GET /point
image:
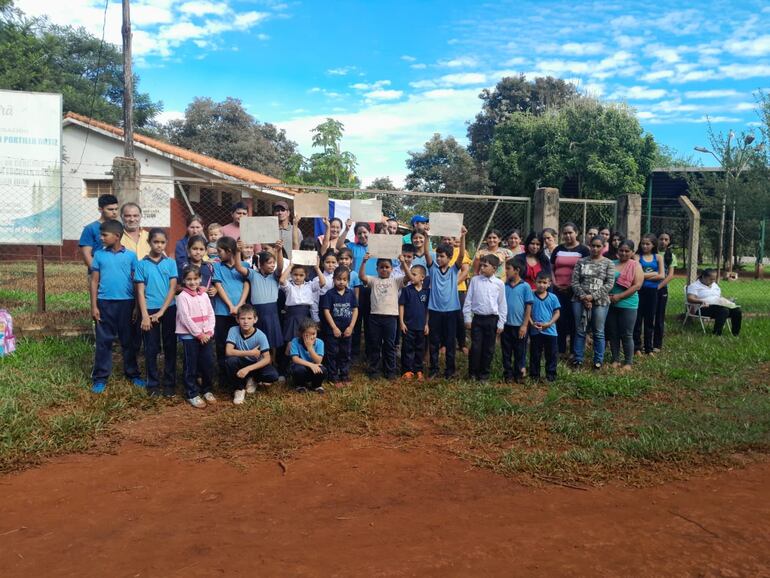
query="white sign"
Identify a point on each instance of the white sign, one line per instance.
(445, 224)
(259, 230)
(155, 200)
(384, 246)
(304, 258)
(366, 210)
(311, 205)
(30, 168)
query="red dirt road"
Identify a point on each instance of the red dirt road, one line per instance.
(361, 508)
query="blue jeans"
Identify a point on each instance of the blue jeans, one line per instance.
(598, 318)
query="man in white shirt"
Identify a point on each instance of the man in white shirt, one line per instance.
(705, 292)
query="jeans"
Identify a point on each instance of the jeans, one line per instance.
(161, 333)
(620, 329)
(115, 324)
(539, 343)
(648, 303)
(266, 374)
(303, 376)
(511, 345)
(660, 318)
(596, 323)
(198, 360)
(483, 334)
(443, 331)
(412, 350)
(337, 357)
(720, 315)
(380, 344)
(565, 324)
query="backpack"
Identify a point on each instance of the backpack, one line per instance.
(7, 339)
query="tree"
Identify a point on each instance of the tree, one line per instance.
(443, 166)
(225, 130)
(38, 56)
(392, 205)
(332, 166)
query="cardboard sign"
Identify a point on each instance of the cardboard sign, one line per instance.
(259, 230)
(445, 224)
(311, 205)
(384, 246)
(366, 210)
(304, 258)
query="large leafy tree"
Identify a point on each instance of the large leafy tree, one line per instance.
(331, 166)
(225, 130)
(443, 166)
(38, 56)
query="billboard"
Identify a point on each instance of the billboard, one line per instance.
(30, 168)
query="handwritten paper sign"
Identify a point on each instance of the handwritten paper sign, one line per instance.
(384, 246)
(311, 205)
(366, 210)
(304, 258)
(259, 230)
(445, 224)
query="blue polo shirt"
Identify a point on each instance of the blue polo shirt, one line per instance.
(242, 343)
(415, 306)
(517, 297)
(443, 289)
(232, 282)
(91, 236)
(358, 256)
(355, 280)
(298, 348)
(264, 289)
(116, 274)
(542, 311)
(156, 278)
(340, 307)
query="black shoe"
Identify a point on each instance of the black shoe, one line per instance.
(169, 393)
(551, 378)
(153, 391)
(597, 366)
(300, 389)
(320, 390)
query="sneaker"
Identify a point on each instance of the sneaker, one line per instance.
(408, 375)
(139, 382)
(597, 366)
(281, 379)
(98, 386)
(197, 402)
(300, 389)
(420, 376)
(239, 397)
(209, 397)
(251, 387)
(656, 349)
(320, 390)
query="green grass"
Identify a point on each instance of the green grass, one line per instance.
(753, 295)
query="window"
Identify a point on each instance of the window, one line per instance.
(95, 188)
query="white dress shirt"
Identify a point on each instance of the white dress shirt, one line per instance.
(486, 296)
(702, 292)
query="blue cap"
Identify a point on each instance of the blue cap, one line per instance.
(419, 219)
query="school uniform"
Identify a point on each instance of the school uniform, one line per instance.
(648, 305)
(443, 304)
(517, 298)
(547, 340)
(415, 304)
(232, 283)
(383, 324)
(364, 295)
(241, 342)
(115, 300)
(195, 318)
(318, 292)
(156, 278)
(341, 308)
(303, 376)
(486, 310)
(264, 298)
(299, 300)
(91, 236)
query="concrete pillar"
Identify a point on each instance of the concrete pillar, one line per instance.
(546, 214)
(126, 174)
(693, 238)
(629, 214)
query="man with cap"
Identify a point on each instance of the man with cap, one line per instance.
(285, 228)
(419, 224)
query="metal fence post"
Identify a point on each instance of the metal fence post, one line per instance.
(759, 273)
(40, 280)
(489, 220)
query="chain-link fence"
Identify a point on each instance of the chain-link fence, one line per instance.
(587, 214)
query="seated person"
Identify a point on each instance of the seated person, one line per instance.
(706, 292)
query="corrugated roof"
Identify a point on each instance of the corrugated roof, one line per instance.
(181, 153)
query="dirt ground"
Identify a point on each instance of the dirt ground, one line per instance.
(364, 507)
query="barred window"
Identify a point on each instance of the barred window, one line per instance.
(95, 188)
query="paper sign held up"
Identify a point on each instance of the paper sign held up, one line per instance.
(445, 224)
(384, 246)
(304, 258)
(366, 210)
(311, 205)
(259, 230)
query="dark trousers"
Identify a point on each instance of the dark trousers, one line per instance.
(337, 356)
(483, 334)
(461, 338)
(160, 334)
(539, 343)
(648, 303)
(222, 327)
(620, 329)
(115, 324)
(720, 315)
(362, 323)
(198, 360)
(266, 374)
(660, 318)
(511, 345)
(303, 376)
(565, 324)
(443, 331)
(413, 350)
(380, 345)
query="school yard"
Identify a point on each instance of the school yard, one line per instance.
(663, 471)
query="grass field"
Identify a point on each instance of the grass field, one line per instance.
(702, 401)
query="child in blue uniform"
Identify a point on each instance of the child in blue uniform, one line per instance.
(413, 321)
(339, 310)
(513, 341)
(248, 356)
(543, 336)
(307, 352)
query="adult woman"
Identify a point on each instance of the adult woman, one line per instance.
(590, 234)
(612, 249)
(624, 302)
(605, 233)
(513, 242)
(563, 260)
(652, 265)
(533, 259)
(707, 293)
(329, 239)
(493, 239)
(669, 264)
(549, 241)
(592, 280)
(194, 228)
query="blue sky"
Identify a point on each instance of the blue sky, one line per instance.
(396, 72)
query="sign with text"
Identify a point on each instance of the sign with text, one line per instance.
(259, 230)
(384, 246)
(309, 258)
(445, 224)
(30, 168)
(311, 205)
(366, 210)
(155, 200)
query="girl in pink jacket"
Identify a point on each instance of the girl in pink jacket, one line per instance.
(195, 328)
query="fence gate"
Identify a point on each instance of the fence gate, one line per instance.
(587, 213)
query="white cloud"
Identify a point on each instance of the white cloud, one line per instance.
(407, 58)
(667, 55)
(459, 62)
(458, 79)
(341, 71)
(741, 106)
(419, 66)
(626, 21)
(657, 75)
(384, 94)
(516, 61)
(639, 93)
(742, 71)
(716, 93)
(168, 115)
(573, 48)
(373, 86)
(203, 7)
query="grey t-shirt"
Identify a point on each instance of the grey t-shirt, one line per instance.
(286, 237)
